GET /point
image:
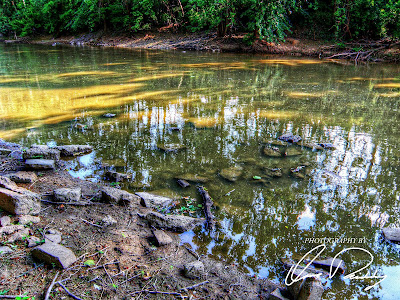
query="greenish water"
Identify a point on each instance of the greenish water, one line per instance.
(226, 107)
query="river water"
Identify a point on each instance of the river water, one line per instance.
(225, 108)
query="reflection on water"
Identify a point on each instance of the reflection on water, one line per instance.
(225, 109)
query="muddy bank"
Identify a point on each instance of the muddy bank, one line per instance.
(382, 51)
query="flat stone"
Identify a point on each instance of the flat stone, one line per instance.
(27, 219)
(310, 145)
(108, 221)
(328, 146)
(277, 295)
(194, 270)
(162, 237)
(41, 153)
(52, 238)
(290, 138)
(392, 234)
(154, 201)
(10, 229)
(74, 150)
(231, 174)
(114, 195)
(298, 172)
(68, 194)
(273, 172)
(40, 164)
(23, 177)
(117, 177)
(183, 183)
(175, 223)
(5, 250)
(291, 151)
(56, 254)
(20, 201)
(20, 235)
(272, 152)
(193, 178)
(5, 221)
(33, 241)
(171, 147)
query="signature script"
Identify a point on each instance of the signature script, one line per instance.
(291, 278)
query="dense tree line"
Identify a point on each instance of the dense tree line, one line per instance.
(264, 19)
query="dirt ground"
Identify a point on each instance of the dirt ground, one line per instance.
(383, 50)
(125, 261)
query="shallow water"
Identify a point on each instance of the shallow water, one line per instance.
(227, 107)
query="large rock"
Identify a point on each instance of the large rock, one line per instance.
(23, 177)
(194, 269)
(272, 152)
(231, 174)
(392, 234)
(114, 195)
(41, 152)
(193, 178)
(68, 194)
(154, 201)
(18, 200)
(74, 150)
(56, 254)
(172, 222)
(40, 164)
(290, 138)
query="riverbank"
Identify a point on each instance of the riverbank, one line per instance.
(377, 51)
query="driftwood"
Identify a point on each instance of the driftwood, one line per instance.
(207, 207)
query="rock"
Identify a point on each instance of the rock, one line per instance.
(56, 254)
(328, 146)
(309, 145)
(392, 234)
(5, 221)
(52, 238)
(297, 173)
(74, 150)
(26, 219)
(109, 115)
(194, 270)
(68, 194)
(277, 295)
(154, 201)
(171, 147)
(175, 223)
(40, 164)
(23, 177)
(183, 183)
(4, 151)
(41, 153)
(34, 241)
(193, 178)
(273, 172)
(19, 201)
(289, 137)
(113, 195)
(232, 173)
(20, 235)
(6, 183)
(117, 177)
(162, 238)
(327, 263)
(272, 152)
(276, 143)
(311, 290)
(108, 221)
(5, 250)
(249, 161)
(291, 151)
(10, 229)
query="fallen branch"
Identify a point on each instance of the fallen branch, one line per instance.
(51, 286)
(158, 292)
(208, 203)
(70, 203)
(90, 223)
(194, 286)
(68, 292)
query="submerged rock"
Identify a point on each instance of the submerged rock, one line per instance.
(327, 263)
(175, 223)
(298, 172)
(109, 115)
(289, 137)
(273, 172)
(117, 177)
(193, 178)
(40, 164)
(328, 146)
(183, 183)
(154, 201)
(310, 145)
(171, 147)
(232, 173)
(392, 234)
(291, 151)
(74, 150)
(272, 152)
(276, 143)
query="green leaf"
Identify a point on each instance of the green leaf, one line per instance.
(199, 205)
(3, 292)
(256, 177)
(89, 262)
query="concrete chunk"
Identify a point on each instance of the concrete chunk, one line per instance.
(67, 194)
(52, 253)
(172, 222)
(40, 164)
(19, 202)
(154, 201)
(113, 195)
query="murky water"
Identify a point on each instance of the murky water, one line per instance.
(227, 107)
